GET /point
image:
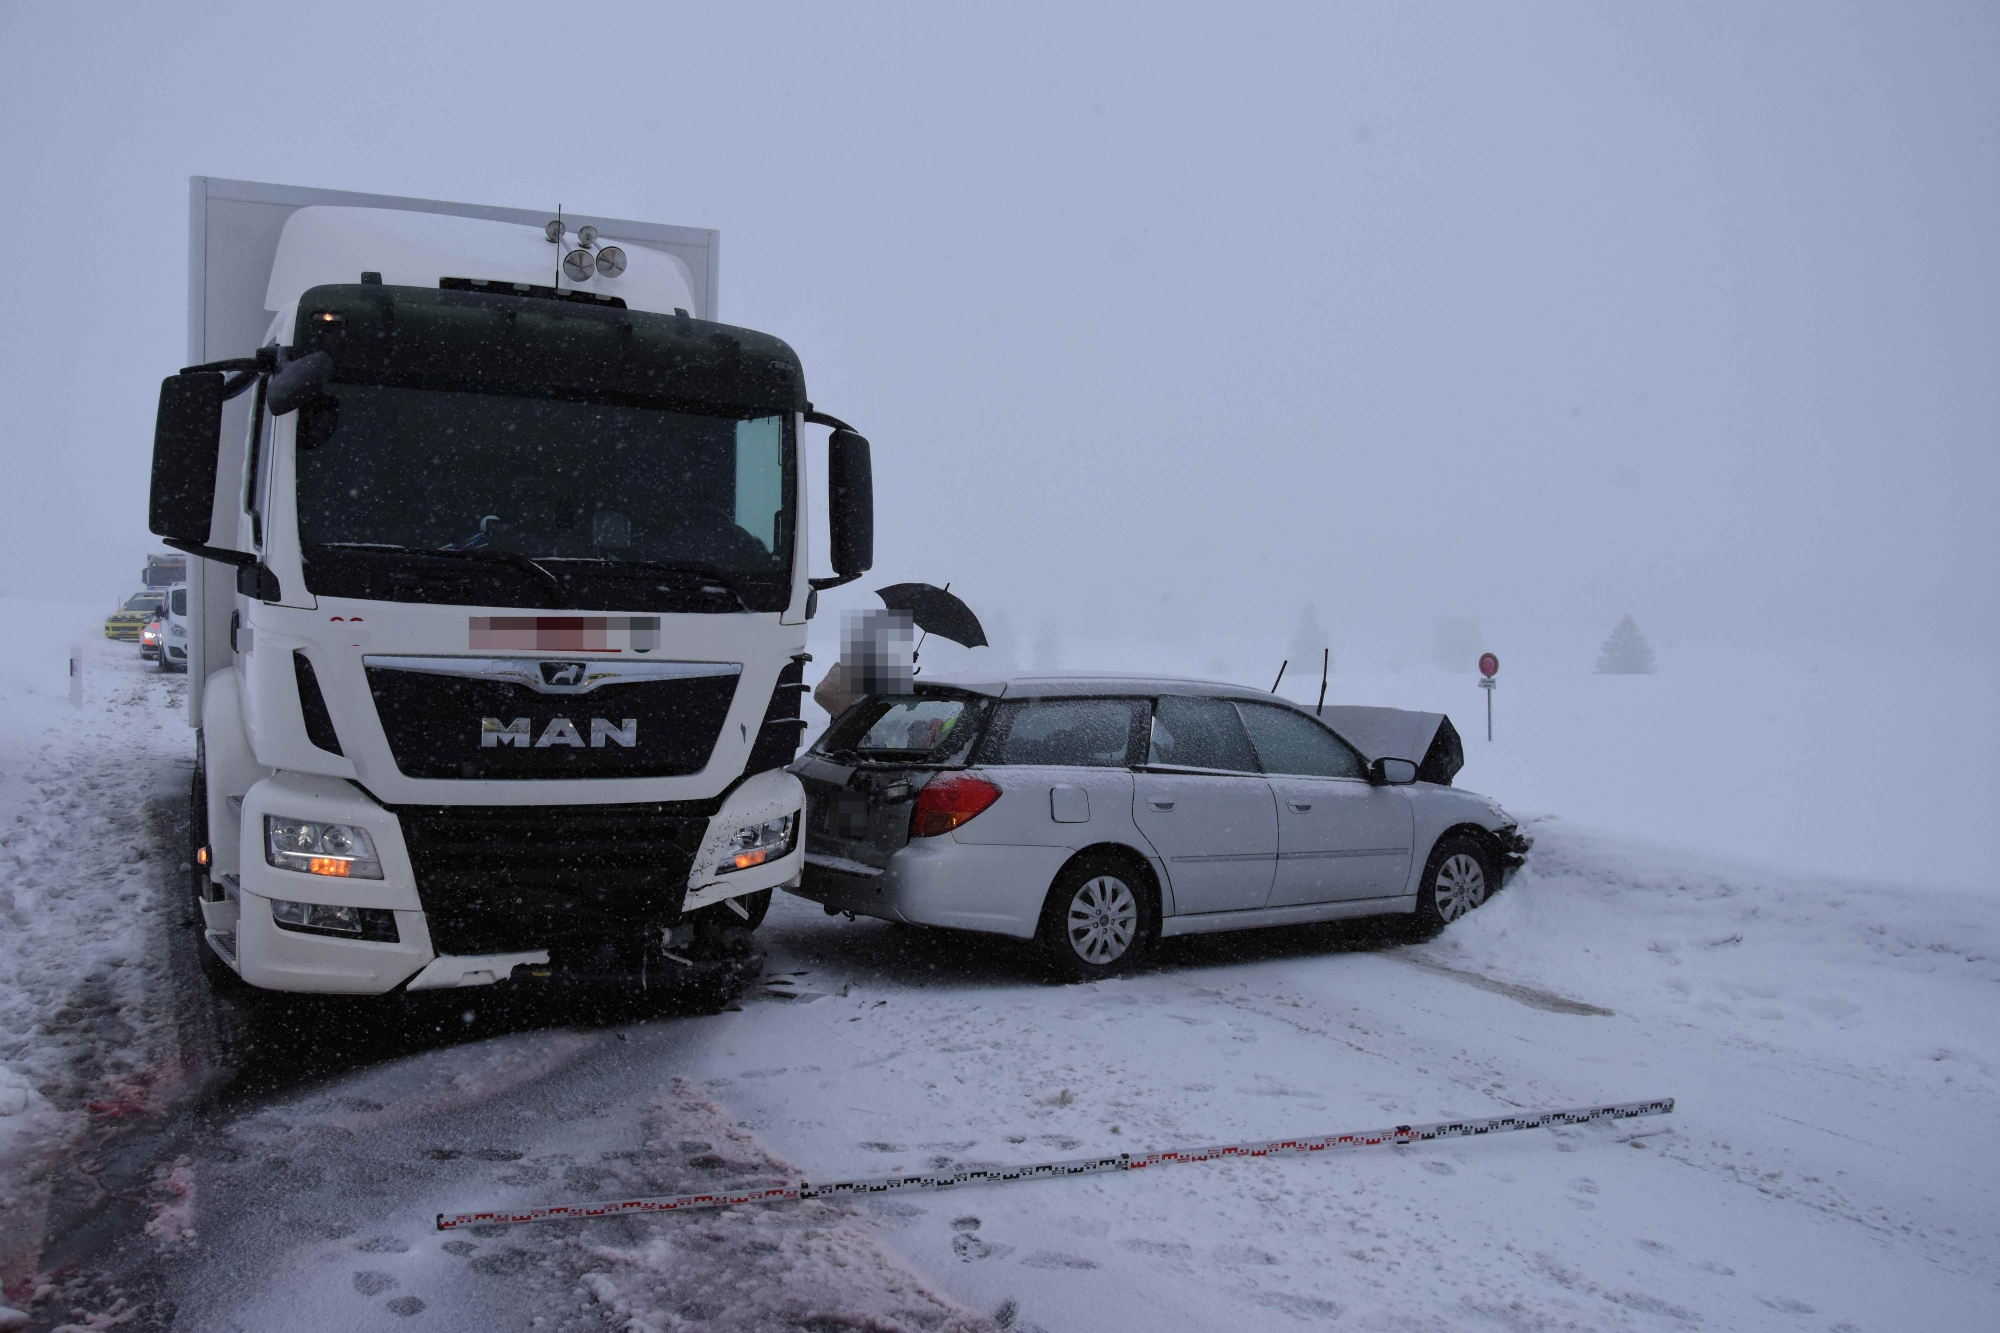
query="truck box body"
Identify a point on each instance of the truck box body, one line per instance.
(497, 650)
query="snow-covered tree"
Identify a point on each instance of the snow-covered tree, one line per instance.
(1309, 641)
(1626, 652)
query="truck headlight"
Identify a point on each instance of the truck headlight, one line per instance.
(320, 849)
(758, 843)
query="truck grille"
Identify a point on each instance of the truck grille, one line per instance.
(500, 879)
(440, 724)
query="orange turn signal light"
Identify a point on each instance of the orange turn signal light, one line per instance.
(744, 860)
(329, 865)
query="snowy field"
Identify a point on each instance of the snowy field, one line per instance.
(1718, 866)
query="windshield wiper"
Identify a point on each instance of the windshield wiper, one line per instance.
(708, 574)
(486, 553)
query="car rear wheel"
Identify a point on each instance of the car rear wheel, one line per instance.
(1459, 877)
(1098, 921)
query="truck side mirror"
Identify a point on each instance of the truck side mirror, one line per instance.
(851, 504)
(186, 437)
(298, 383)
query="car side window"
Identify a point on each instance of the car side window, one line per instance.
(1200, 733)
(1081, 733)
(1291, 743)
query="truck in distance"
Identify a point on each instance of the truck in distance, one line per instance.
(497, 623)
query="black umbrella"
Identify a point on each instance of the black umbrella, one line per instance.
(935, 611)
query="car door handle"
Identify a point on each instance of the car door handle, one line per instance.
(1159, 805)
(1300, 806)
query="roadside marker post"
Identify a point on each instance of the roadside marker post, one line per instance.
(1489, 667)
(1400, 1136)
(76, 675)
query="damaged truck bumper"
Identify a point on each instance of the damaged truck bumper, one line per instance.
(478, 896)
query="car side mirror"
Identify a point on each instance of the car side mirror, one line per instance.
(1392, 772)
(298, 382)
(186, 436)
(850, 503)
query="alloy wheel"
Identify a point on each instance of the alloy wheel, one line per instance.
(1103, 919)
(1460, 886)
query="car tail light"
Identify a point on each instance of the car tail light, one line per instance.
(950, 800)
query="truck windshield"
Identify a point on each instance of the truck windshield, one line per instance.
(627, 507)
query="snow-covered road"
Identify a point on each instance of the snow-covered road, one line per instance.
(1833, 1046)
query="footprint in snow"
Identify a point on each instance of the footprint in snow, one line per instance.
(383, 1245)
(406, 1306)
(1053, 1259)
(1440, 1168)
(970, 1248)
(966, 1223)
(1244, 1254)
(461, 1248)
(372, 1283)
(1159, 1249)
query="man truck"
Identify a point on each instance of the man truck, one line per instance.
(498, 599)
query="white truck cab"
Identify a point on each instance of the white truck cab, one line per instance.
(496, 631)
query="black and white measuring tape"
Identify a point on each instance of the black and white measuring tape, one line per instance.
(1076, 1166)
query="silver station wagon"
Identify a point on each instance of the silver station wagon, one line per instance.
(1099, 814)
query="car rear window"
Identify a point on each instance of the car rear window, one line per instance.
(914, 729)
(1074, 733)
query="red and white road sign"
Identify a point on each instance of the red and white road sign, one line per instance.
(1489, 665)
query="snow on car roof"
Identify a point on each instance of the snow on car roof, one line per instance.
(1050, 685)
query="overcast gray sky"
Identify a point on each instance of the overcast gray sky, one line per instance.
(1164, 319)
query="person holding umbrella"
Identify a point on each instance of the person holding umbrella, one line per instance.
(871, 660)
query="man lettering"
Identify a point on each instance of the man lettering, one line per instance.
(602, 730)
(493, 732)
(560, 731)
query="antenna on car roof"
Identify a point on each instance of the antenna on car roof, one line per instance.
(1281, 674)
(1325, 666)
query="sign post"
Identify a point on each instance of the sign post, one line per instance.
(1489, 667)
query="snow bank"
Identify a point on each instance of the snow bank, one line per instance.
(83, 1028)
(1894, 983)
